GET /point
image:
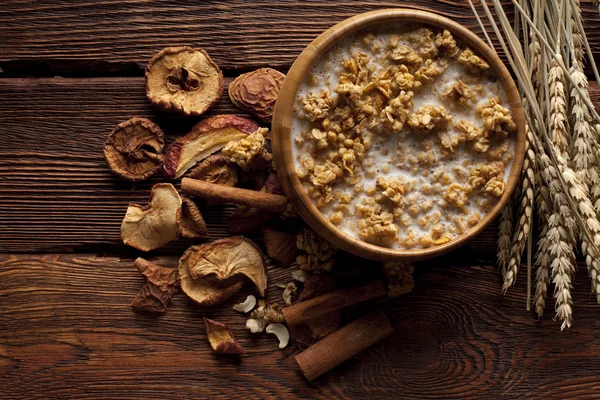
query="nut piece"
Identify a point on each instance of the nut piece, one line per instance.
(192, 225)
(199, 290)
(290, 293)
(257, 91)
(133, 149)
(247, 305)
(221, 261)
(161, 284)
(156, 224)
(221, 339)
(281, 332)
(256, 325)
(281, 246)
(216, 169)
(184, 80)
(299, 275)
(206, 137)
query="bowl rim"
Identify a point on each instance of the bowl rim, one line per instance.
(283, 112)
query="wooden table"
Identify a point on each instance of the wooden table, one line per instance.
(71, 70)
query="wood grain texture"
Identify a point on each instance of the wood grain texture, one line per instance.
(67, 331)
(108, 36)
(56, 193)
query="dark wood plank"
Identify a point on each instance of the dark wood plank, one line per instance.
(56, 193)
(107, 36)
(67, 332)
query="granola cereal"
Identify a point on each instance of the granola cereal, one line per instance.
(402, 137)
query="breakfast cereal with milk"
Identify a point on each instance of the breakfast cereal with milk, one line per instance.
(403, 137)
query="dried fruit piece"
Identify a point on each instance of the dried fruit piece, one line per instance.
(257, 91)
(272, 184)
(221, 261)
(184, 80)
(192, 225)
(247, 305)
(161, 284)
(221, 339)
(216, 169)
(281, 246)
(133, 149)
(200, 290)
(281, 332)
(206, 137)
(244, 219)
(156, 224)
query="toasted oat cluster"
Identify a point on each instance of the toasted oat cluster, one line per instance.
(249, 152)
(403, 139)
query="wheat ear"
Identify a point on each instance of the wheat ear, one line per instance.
(577, 35)
(524, 216)
(585, 162)
(562, 269)
(505, 232)
(558, 109)
(590, 234)
(542, 276)
(558, 242)
(543, 257)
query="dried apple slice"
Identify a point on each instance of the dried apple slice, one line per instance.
(221, 339)
(223, 260)
(205, 138)
(281, 246)
(183, 79)
(161, 284)
(156, 224)
(192, 225)
(257, 92)
(134, 149)
(199, 290)
(216, 169)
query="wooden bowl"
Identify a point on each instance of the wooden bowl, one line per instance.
(281, 141)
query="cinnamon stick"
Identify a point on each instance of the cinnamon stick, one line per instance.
(332, 301)
(225, 194)
(343, 344)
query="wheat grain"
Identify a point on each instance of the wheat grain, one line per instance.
(524, 216)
